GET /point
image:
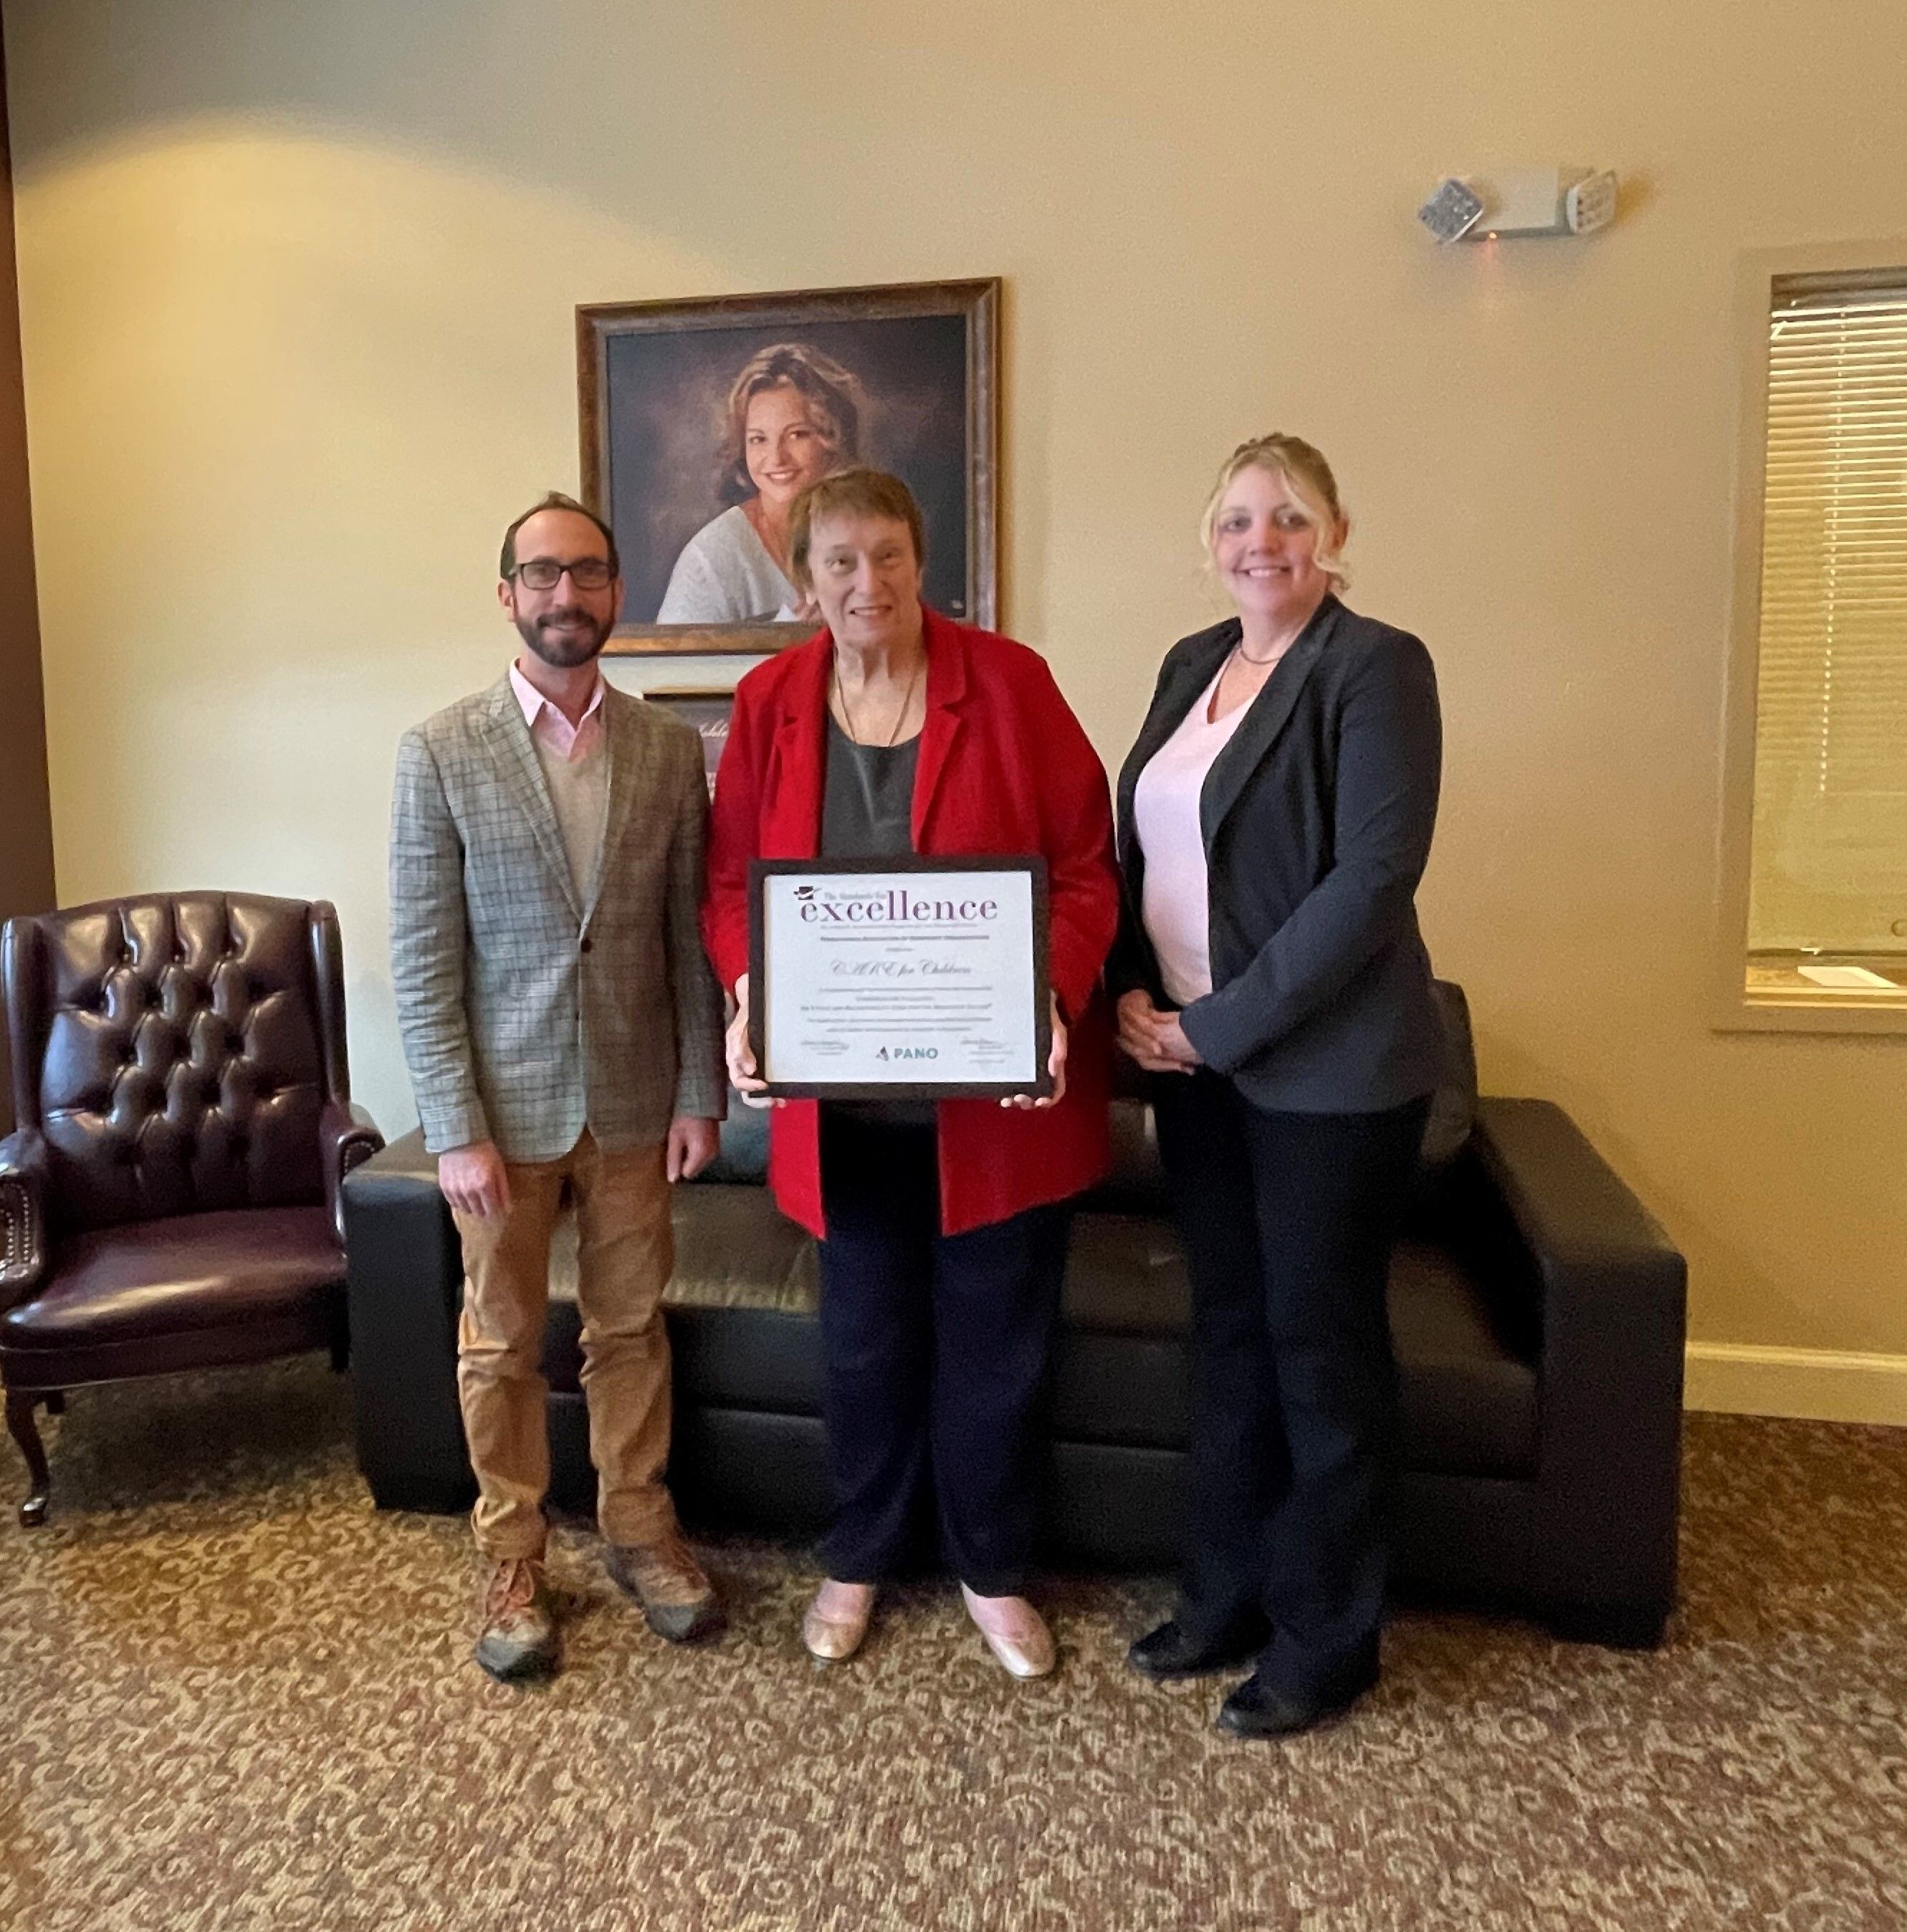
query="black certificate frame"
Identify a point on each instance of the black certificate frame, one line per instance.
(762, 870)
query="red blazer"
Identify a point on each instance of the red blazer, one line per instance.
(1004, 767)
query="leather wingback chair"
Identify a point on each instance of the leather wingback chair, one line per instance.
(170, 1197)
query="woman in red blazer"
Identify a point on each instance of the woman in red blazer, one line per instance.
(941, 1233)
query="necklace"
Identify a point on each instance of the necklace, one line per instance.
(1238, 650)
(773, 540)
(1238, 653)
(859, 751)
(900, 717)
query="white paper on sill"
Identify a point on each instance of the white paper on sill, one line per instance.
(1848, 978)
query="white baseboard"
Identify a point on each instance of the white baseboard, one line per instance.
(1819, 1384)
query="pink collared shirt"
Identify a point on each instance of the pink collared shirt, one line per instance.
(569, 742)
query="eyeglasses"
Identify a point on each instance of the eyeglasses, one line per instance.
(545, 573)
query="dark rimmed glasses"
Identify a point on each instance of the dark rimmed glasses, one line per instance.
(545, 573)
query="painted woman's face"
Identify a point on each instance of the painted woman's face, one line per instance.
(785, 449)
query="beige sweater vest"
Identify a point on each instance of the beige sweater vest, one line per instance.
(579, 791)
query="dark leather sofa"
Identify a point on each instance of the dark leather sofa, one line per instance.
(1538, 1311)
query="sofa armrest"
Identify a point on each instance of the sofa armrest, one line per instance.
(405, 1284)
(347, 1138)
(1613, 1290)
(22, 1215)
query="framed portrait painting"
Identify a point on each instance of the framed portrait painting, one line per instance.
(703, 420)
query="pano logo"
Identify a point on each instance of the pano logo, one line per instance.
(909, 1053)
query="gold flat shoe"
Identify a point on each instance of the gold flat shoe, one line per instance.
(833, 1640)
(1028, 1652)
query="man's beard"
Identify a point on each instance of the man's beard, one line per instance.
(564, 650)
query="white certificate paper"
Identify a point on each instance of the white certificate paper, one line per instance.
(923, 976)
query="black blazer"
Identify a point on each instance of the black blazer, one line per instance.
(1317, 818)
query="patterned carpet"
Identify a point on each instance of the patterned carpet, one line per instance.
(232, 1696)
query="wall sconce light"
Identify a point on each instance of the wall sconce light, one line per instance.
(1521, 201)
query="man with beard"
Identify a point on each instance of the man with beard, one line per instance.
(563, 1031)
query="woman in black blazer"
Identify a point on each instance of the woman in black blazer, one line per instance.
(1274, 818)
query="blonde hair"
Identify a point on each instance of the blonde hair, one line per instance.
(833, 393)
(1308, 476)
(850, 492)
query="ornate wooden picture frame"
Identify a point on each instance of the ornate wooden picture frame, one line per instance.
(701, 418)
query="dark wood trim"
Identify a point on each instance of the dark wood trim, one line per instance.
(20, 1425)
(26, 831)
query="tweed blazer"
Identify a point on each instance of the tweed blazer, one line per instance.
(526, 1013)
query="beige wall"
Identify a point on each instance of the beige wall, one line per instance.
(298, 283)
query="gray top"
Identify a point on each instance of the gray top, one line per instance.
(867, 812)
(725, 575)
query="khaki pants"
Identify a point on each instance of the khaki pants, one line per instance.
(626, 1251)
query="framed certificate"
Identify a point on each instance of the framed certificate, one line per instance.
(899, 979)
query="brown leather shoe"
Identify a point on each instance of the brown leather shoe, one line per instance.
(516, 1635)
(678, 1600)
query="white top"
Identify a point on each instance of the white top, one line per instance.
(725, 575)
(1174, 909)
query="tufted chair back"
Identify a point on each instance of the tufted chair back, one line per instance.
(175, 1051)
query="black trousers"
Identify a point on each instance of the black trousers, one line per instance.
(935, 1349)
(1288, 1221)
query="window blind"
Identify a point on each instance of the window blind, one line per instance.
(1829, 836)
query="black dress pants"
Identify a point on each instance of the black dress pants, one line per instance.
(1288, 1221)
(935, 1349)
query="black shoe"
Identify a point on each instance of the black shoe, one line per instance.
(1258, 1709)
(1172, 1650)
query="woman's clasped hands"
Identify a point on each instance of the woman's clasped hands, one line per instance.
(1154, 1038)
